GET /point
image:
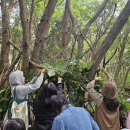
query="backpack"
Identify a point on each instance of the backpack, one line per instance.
(19, 108)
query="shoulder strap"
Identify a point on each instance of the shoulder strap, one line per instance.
(14, 94)
(19, 101)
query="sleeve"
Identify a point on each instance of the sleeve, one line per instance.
(60, 87)
(93, 123)
(30, 87)
(57, 125)
(96, 97)
(33, 80)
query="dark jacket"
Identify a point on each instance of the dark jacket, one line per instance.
(44, 113)
(44, 116)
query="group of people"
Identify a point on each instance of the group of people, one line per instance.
(53, 111)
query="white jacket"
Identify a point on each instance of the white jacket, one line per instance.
(22, 90)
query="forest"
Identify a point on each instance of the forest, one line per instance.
(69, 38)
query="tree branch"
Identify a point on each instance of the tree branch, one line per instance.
(31, 17)
(102, 7)
(106, 62)
(117, 27)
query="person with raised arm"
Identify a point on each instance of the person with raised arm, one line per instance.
(19, 106)
(42, 108)
(107, 104)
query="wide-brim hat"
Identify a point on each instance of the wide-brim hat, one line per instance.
(109, 90)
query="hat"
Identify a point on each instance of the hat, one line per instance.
(109, 90)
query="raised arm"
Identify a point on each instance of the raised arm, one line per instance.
(107, 74)
(60, 84)
(32, 86)
(94, 95)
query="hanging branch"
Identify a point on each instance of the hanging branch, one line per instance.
(31, 62)
(36, 65)
(106, 62)
(88, 43)
(11, 43)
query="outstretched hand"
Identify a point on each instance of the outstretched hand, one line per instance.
(60, 79)
(40, 71)
(98, 79)
(45, 82)
(102, 69)
(43, 70)
(106, 74)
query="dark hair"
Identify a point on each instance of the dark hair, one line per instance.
(111, 104)
(46, 92)
(58, 101)
(14, 124)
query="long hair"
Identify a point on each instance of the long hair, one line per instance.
(111, 104)
(46, 92)
(14, 124)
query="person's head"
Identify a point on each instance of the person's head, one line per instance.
(109, 91)
(14, 124)
(58, 101)
(16, 78)
(47, 91)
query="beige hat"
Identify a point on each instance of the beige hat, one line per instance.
(109, 90)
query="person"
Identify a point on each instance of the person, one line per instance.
(14, 124)
(107, 104)
(71, 117)
(17, 80)
(42, 108)
(19, 105)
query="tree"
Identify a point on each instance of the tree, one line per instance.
(122, 19)
(80, 37)
(122, 49)
(42, 32)
(5, 48)
(25, 45)
(64, 29)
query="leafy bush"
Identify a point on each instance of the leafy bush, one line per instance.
(4, 99)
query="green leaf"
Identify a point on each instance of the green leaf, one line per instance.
(1, 91)
(51, 72)
(47, 66)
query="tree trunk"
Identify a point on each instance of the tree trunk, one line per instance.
(125, 78)
(31, 18)
(6, 12)
(42, 32)
(64, 30)
(122, 19)
(84, 32)
(122, 46)
(25, 26)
